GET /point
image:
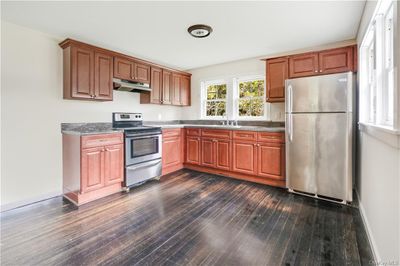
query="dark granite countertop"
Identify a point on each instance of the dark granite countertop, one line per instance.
(106, 128)
(88, 128)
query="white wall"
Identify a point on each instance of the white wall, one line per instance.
(378, 181)
(32, 109)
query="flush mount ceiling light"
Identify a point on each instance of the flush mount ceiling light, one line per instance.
(200, 30)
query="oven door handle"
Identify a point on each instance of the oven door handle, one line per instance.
(142, 136)
(145, 164)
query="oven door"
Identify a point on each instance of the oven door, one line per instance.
(142, 148)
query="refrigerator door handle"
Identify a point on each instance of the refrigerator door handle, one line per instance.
(290, 127)
(290, 89)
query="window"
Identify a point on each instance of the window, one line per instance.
(215, 99)
(250, 98)
(377, 68)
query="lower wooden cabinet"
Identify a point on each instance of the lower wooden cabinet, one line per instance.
(172, 150)
(244, 157)
(249, 155)
(193, 148)
(93, 166)
(271, 160)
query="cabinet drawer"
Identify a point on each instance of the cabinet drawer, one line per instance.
(215, 133)
(101, 140)
(193, 131)
(168, 133)
(277, 137)
(244, 135)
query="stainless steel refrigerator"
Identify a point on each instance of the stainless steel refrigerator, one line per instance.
(319, 136)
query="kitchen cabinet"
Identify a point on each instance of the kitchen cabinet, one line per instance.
(277, 73)
(193, 150)
(248, 155)
(185, 90)
(303, 65)
(87, 72)
(93, 166)
(128, 69)
(244, 157)
(270, 160)
(167, 87)
(336, 60)
(172, 150)
(323, 62)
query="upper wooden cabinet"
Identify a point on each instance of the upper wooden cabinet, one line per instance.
(87, 72)
(128, 69)
(308, 64)
(277, 73)
(336, 60)
(167, 88)
(303, 65)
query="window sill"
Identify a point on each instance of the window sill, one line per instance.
(382, 133)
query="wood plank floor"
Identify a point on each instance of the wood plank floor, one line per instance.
(187, 218)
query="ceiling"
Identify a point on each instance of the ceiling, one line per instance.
(157, 31)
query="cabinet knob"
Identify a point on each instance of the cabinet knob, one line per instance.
(320, 70)
(316, 71)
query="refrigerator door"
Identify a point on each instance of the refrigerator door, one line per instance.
(327, 93)
(317, 153)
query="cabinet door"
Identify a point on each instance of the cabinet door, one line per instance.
(185, 90)
(124, 68)
(113, 164)
(303, 65)
(193, 150)
(244, 157)
(208, 155)
(176, 89)
(270, 160)
(336, 60)
(277, 73)
(103, 75)
(167, 87)
(223, 154)
(156, 85)
(142, 73)
(92, 169)
(82, 73)
(171, 153)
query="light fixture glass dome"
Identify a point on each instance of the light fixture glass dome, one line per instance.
(200, 30)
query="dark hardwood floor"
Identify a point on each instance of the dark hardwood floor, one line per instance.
(187, 218)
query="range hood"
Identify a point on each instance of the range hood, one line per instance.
(127, 85)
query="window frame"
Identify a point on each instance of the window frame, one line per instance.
(204, 100)
(236, 98)
(374, 102)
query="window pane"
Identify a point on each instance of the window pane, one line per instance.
(216, 92)
(254, 88)
(244, 108)
(257, 107)
(221, 108)
(210, 108)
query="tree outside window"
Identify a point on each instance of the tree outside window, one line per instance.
(216, 100)
(251, 98)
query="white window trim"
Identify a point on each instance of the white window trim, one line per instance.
(235, 94)
(203, 100)
(381, 121)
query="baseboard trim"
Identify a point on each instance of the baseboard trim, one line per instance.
(18, 204)
(370, 237)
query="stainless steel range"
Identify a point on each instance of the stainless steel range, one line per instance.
(143, 148)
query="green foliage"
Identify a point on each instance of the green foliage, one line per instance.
(251, 101)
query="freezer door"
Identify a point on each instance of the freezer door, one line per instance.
(318, 154)
(327, 93)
